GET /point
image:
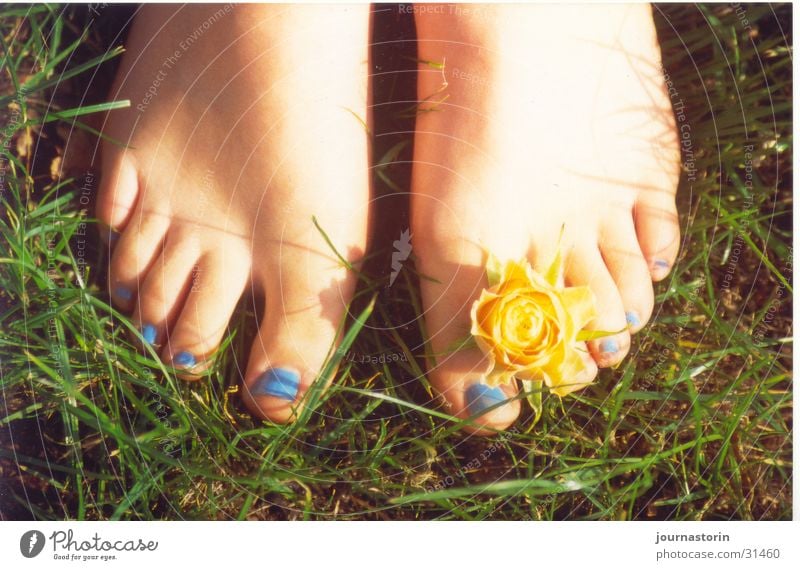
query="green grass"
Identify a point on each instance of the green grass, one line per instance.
(696, 424)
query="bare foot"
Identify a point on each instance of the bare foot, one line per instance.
(555, 116)
(242, 127)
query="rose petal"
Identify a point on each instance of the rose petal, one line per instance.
(580, 303)
(572, 367)
(526, 326)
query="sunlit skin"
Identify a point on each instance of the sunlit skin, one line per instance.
(531, 142)
(229, 160)
(520, 150)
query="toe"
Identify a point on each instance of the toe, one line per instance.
(119, 188)
(164, 289)
(657, 228)
(458, 375)
(586, 267)
(299, 330)
(285, 360)
(630, 272)
(215, 285)
(137, 248)
(590, 371)
(459, 379)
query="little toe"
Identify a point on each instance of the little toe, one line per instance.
(656, 218)
(118, 192)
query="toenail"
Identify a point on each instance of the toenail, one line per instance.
(609, 346)
(149, 334)
(123, 293)
(184, 359)
(632, 318)
(109, 234)
(660, 264)
(281, 383)
(481, 397)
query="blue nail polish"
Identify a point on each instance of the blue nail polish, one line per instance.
(149, 334)
(281, 383)
(184, 359)
(609, 346)
(123, 293)
(480, 396)
(660, 264)
(632, 318)
(113, 236)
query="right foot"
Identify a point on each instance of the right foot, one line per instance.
(241, 128)
(556, 117)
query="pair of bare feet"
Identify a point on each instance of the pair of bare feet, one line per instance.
(243, 127)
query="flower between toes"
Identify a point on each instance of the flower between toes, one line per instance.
(528, 327)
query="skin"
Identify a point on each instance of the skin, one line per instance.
(525, 143)
(531, 138)
(225, 167)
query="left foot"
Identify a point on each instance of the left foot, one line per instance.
(234, 144)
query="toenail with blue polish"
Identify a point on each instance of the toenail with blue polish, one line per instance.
(660, 264)
(609, 346)
(123, 293)
(149, 334)
(186, 359)
(480, 397)
(281, 383)
(113, 236)
(632, 318)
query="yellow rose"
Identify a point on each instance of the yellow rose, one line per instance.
(528, 327)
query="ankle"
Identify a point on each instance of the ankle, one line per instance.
(478, 24)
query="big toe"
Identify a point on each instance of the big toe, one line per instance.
(460, 381)
(298, 333)
(455, 372)
(286, 359)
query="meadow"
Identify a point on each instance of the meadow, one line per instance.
(696, 424)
